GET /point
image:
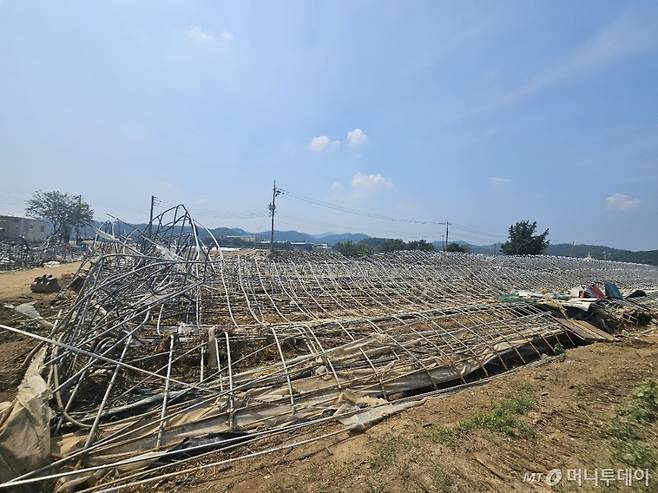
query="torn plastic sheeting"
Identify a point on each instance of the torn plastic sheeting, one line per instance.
(355, 423)
(612, 291)
(529, 294)
(317, 395)
(364, 420)
(594, 292)
(24, 426)
(28, 310)
(580, 304)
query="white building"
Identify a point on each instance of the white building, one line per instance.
(31, 230)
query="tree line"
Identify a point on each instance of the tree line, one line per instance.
(522, 241)
(377, 245)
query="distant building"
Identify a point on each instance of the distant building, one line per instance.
(249, 238)
(31, 230)
(301, 245)
(306, 246)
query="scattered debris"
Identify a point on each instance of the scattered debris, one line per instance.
(45, 284)
(18, 254)
(636, 293)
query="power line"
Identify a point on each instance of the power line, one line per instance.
(476, 233)
(356, 212)
(210, 212)
(303, 224)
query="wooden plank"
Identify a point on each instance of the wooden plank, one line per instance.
(586, 331)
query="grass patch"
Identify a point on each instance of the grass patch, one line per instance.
(441, 434)
(504, 418)
(385, 453)
(628, 430)
(440, 481)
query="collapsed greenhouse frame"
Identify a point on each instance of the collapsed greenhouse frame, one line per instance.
(19, 254)
(172, 346)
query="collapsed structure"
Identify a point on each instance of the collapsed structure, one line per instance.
(171, 349)
(17, 253)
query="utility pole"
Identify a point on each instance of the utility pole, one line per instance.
(151, 215)
(272, 207)
(77, 225)
(446, 244)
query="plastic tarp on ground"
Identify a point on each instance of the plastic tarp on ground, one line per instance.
(25, 426)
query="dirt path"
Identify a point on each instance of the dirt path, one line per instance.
(16, 283)
(14, 290)
(486, 438)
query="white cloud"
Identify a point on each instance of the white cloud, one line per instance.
(361, 181)
(319, 144)
(337, 187)
(197, 34)
(322, 143)
(228, 35)
(356, 137)
(497, 181)
(622, 202)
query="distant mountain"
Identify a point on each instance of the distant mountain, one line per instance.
(220, 232)
(287, 236)
(604, 253)
(223, 232)
(561, 249)
(292, 235)
(577, 251)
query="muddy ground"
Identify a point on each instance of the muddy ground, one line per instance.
(587, 409)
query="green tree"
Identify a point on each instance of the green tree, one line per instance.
(422, 245)
(524, 241)
(456, 247)
(81, 213)
(62, 210)
(394, 245)
(351, 249)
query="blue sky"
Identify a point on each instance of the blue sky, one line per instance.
(482, 113)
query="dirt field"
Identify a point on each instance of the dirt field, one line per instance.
(16, 283)
(575, 411)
